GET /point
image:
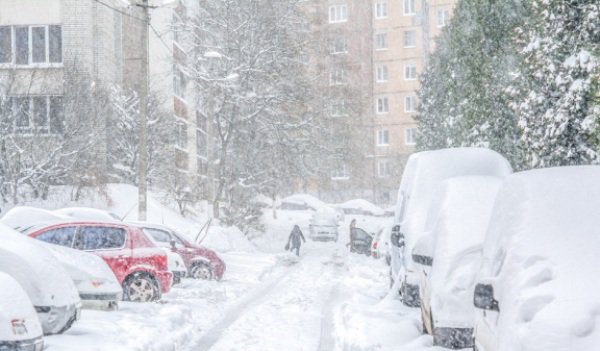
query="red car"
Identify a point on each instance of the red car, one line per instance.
(200, 262)
(140, 267)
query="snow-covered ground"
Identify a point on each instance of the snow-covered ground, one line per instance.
(327, 299)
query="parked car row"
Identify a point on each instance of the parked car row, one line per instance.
(80, 261)
(498, 260)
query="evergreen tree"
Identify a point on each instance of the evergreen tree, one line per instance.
(554, 90)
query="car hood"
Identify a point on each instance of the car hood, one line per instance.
(16, 310)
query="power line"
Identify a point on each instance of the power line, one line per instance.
(119, 11)
(161, 38)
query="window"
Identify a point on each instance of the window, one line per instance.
(443, 16)
(410, 72)
(381, 41)
(181, 140)
(383, 168)
(410, 39)
(409, 103)
(381, 74)
(409, 8)
(162, 237)
(338, 13)
(336, 77)
(383, 137)
(38, 113)
(339, 45)
(30, 45)
(382, 105)
(59, 236)
(179, 83)
(410, 136)
(100, 238)
(340, 171)
(338, 109)
(381, 9)
(5, 44)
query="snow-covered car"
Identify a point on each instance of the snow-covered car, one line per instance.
(87, 214)
(361, 207)
(141, 268)
(423, 175)
(20, 329)
(174, 262)
(324, 225)
(201, 262)
(46, 282)
(381, 242)
(95, 281)
(537, 286)
(451, 258)
(301, 202)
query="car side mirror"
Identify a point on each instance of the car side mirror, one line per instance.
(483, 298)
(173, 244)
(423, 260)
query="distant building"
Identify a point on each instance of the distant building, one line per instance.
(387, 43)
(46, 43)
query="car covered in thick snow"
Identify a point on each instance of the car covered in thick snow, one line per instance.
(138, 264)
(301, 202)
(201, 262)
(451, 256)
(20, 329)
(95, 281)
(361, 207)
(423, 175)
(537, 286)
(48, 285)
(23, 218)
(324, 225)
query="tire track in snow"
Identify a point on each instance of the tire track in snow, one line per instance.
(232, 315)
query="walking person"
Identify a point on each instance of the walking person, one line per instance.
(295, 240)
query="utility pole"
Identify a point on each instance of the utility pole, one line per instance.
(143, 93)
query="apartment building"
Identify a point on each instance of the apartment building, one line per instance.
(45, 44)
(395, 38)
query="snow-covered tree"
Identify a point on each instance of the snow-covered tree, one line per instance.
(463, 98)
(247, 62)
(556, 89)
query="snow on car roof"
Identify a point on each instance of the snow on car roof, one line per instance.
(24, 216)
(542, 244)
(86, 213)
(364, 205)
(433, 167)
(304, 199)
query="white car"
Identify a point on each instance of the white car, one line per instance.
(48, 285)
(324, 225)
(96, 283)
(537, 288)
(451, 255)
(424, 173)
(174, 262)
(20, 329)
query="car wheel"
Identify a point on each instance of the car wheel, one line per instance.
(201, 271)
(140, 287)
(68, 325)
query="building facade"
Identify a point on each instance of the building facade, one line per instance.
(388, 43)
(45, 45)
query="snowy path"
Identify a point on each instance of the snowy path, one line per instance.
(328, 300)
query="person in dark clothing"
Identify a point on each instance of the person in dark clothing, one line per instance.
(295, 240)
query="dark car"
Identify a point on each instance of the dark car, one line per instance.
(360, 241)
(201, 263)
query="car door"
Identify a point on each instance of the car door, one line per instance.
(110, 243)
